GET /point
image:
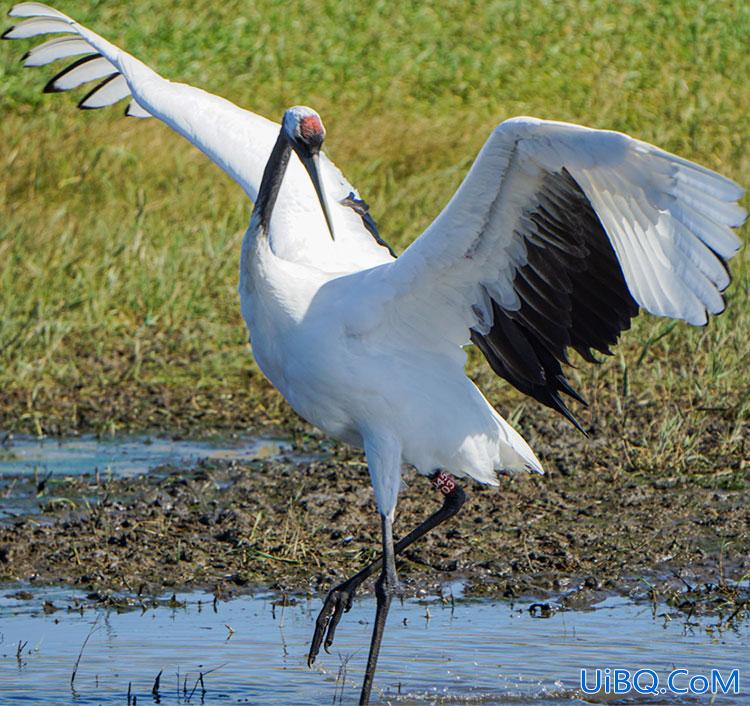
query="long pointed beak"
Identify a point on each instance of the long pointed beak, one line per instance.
(312, 164)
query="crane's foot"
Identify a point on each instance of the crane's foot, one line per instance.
(337, 602)
(339, 599)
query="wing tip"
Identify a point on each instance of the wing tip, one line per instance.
(560, 406)
(82, 103)
(133, 112)
(50, 86)
(16, 9)
(6, 34)
(730, 276)
(40, 10)
(569, 390)
(742, 213)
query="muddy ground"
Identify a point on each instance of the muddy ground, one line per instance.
(306, 522)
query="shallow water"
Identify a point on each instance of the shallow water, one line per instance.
(128, 455)
(26, 460)
(469, 652)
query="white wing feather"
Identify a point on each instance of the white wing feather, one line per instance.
(36, 26)
(34, 9)
(55, 49)
(85, 70)
(237, 140)
(668, 220)
(135, 111)
(107, 93)
(229, 135)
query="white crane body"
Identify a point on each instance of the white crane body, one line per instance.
(367, 387)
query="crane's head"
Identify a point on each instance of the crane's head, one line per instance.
(305, 132)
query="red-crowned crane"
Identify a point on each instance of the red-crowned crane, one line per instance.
(554, 240)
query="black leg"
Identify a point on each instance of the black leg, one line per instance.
(339, 599)
(385, 587)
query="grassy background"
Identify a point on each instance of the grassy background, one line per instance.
(119, 243)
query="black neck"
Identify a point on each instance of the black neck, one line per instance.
(272, 177)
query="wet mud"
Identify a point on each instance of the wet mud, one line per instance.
(305, 520)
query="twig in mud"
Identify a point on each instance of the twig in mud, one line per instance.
(9, 488)
(652, 595)
(742, 605)
(283, 639)
(80, 654)
(42, 484)
(215, 669)
(271, 557)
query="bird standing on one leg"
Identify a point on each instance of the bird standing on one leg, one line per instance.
(554, 240)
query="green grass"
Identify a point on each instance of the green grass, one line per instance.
(119, 243)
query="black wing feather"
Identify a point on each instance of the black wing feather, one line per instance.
(573, 294)
(361, 207)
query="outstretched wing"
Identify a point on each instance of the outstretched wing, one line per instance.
(555, 238)
(237, 140)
